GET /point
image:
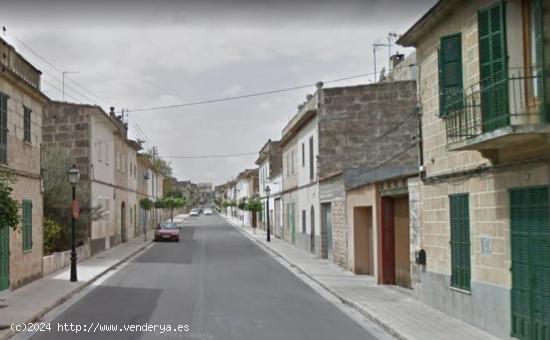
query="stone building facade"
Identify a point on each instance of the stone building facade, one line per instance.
(246, 188)
(269, 164)
(97, 143)
(337, 129)
(21, 110)
(485, 125)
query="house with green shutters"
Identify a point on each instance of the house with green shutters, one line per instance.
(21, 105)
(484, 92)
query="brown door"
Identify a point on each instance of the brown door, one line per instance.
(363, 241)
(402, 242)
(386, 272)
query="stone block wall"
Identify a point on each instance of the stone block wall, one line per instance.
(339, 233)
(365, 125)
(23, 158)
(26, 265)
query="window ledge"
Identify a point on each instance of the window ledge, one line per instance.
(28, 251)
(460, 290)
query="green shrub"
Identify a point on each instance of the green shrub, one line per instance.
(52, 235)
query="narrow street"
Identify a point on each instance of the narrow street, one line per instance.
(216, 281)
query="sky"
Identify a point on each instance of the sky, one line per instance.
(140, 54)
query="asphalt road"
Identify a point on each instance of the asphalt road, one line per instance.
(216, 281)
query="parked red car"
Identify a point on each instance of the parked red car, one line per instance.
(167, 231)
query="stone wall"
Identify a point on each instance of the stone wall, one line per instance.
(60, 260)
(23, 158)
(339, 233)
(26, 265)
(366, 124)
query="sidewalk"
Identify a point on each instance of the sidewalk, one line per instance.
(32, 301)
(391, 307)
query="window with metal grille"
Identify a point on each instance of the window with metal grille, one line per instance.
(303, 221)
(460, 241)
(450, 74)
(3, 128)
(311, 159)
(27, 124)
(26, 222)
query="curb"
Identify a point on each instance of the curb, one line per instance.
(385, 326)
(78, 289)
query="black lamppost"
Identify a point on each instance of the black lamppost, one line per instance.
(74, 177)
(267, 192)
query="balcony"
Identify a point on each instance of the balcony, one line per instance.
(500, 113)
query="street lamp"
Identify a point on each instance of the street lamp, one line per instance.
(267, 192)
(74, 177)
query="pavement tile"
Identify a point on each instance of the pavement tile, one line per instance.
(30, 302)
(393, 308)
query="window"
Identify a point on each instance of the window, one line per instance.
(303, 155)
(493, 69)
(460, 241)
(450, 74)
(288, 164)
(27, 124)
(3, 128)
(26, 223)
(303, 221)
(537, 51)
(311, 163)
(292, 156)
(106, 154)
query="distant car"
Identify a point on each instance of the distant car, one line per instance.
(167, 231)
(194, 212)
(208, 211)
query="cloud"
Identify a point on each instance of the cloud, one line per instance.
(232, 90)
(179, 51)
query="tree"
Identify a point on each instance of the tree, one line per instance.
(9, 208)
(146, 204)
(58, 196)
(162, 166)
(159, 204)
(173, 203)
(241, 204)
(254, 205)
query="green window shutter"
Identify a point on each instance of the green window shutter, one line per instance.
(540, 71)
(3, 128)
(27, 224)
(450, 74)
(493, 70)
(460, 241)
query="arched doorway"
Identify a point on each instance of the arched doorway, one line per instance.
(312, 219)
(123, 222)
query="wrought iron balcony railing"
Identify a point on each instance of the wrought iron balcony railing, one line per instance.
(514, 99)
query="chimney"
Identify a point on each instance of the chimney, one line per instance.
(112, 112)
(396, 59)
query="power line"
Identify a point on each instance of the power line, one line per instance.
(249, 95)
(213, 156)
(56, 69)
(394, 157)
(58, 89)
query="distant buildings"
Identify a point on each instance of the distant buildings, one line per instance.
(205, 192)
(270, 175)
